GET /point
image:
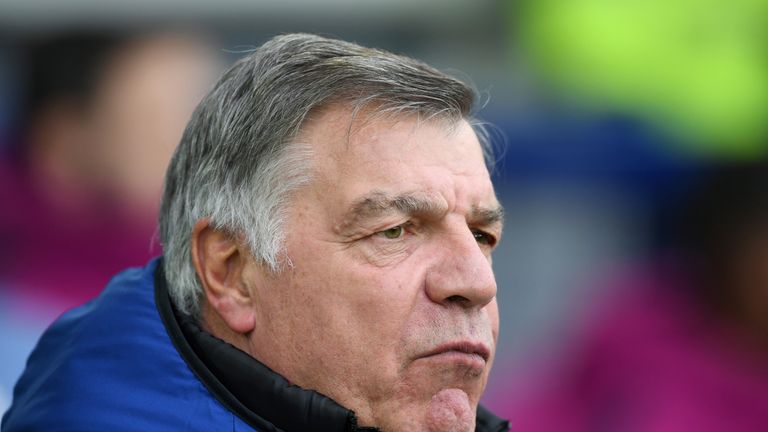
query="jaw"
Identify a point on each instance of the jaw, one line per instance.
(430, 397)
(448, 410)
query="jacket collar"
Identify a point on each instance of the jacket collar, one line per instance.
(259, 396)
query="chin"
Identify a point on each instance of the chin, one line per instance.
(470, 378)
(433, 399)
(448, 410)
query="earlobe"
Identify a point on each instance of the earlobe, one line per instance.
(219, 261)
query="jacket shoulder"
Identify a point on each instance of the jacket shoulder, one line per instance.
(110, 365)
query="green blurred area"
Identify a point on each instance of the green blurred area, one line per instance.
(697, 69)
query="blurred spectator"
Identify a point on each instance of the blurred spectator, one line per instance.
(101, 114)
(681, 347)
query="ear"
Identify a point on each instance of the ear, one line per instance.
(219, 260)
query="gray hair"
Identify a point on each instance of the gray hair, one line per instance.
(237, 164)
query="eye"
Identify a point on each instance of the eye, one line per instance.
(392, 233)
(484, 238)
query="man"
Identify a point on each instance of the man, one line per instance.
(327, 224)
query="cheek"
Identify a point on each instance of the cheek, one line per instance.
(361, 306)
(362, 309)
(362, 318)
(378, 305)
(376, 301)
(493, 315)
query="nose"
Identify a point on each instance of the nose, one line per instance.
(461, 273)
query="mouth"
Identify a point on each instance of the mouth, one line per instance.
(472, 354)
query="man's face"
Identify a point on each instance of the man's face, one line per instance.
(388, 305)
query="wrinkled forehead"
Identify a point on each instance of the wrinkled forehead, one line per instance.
(340, 130)
(354, 153)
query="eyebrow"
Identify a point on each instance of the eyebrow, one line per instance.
(487, 216)
(379, 203)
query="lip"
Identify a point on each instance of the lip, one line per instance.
(460, 348)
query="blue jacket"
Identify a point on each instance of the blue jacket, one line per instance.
(126, 361)
(110, 366)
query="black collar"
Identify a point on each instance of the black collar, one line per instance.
(259, 396)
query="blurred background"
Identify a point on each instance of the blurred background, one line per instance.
(632, 136)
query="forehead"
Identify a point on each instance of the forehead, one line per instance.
(354, 154)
